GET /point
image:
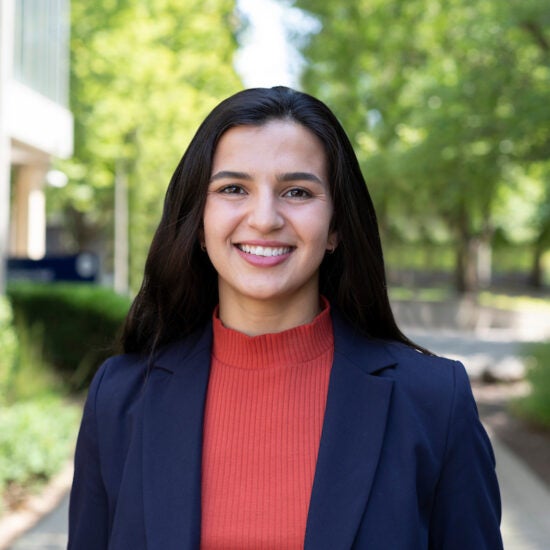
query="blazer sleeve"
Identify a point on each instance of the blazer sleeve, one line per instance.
(467, 507)
(88, 509)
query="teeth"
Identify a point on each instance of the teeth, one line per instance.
(264, 250)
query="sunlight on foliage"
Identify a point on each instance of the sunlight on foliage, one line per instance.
(461, 92)
(144, 74)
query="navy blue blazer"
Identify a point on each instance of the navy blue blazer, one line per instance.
(404, 462)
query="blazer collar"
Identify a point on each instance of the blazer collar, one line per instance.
(351, 440)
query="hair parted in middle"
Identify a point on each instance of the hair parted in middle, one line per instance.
(179, 289)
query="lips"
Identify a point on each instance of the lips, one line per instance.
(264, 251)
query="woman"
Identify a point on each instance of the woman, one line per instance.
(266, 397)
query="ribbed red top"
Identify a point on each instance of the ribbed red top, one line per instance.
(264, 414)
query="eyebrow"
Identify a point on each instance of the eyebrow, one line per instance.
(299, 176)
(229, 174)
(286, 177)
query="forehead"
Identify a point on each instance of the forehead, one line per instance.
(276, 140)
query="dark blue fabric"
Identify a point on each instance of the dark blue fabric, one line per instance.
(403, 463)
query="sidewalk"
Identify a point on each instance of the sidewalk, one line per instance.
(49, 534)
(525, 504)
(46, 511)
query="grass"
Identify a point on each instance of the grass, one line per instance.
(490, 298)
(431, 294)
(517, 302)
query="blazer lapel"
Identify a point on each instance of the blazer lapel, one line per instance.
(174, 400)
(351, 440)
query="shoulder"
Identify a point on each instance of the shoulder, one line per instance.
(430, 378)
(411, 363)
(417, 377)
(121, 378)
(116, 387)
(431, 395)
(393, 359)
(434, 391)
(119, 371)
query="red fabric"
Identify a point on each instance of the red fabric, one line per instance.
(264, 414)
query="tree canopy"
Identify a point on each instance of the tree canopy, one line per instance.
(447, 105)
(143, 76)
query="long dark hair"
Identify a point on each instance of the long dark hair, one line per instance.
(179, 289)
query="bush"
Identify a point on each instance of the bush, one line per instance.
(75, 325)
(535, 407)
(8, 347)
(36, 438)
(37, 426)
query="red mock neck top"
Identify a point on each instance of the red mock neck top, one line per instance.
(264, 414)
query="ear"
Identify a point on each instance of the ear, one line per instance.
(332, 241)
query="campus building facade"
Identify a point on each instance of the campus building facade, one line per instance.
(36, 124)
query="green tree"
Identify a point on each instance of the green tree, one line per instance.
(532, 20)
(442, 100)
(143, 76)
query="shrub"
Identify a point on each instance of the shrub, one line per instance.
(74, 324)
(535, 407)
(8, 347)
(36, 438)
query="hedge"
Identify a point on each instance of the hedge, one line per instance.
(74, 325)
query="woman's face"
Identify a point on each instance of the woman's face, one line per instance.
(267, 219)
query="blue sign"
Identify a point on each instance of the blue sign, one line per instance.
(82, 267)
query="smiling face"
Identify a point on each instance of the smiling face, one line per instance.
(267, 219)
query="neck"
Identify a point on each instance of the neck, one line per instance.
(254, 317)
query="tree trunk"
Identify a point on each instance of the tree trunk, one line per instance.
(466, 272)
(484, 259)
(536, 274)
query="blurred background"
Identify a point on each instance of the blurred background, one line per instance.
(448, 107)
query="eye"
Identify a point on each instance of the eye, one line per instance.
(231, 190)
(298, 193)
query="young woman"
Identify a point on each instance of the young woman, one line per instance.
(266, 398)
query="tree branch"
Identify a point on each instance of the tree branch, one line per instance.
(538, 35)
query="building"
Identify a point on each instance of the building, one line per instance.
(36, 124)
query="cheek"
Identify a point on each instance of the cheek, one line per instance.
(206, 221)
(209, 218)
(324, 228)
(319, 238)
(218, 221)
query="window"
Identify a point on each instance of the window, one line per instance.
(41, 47)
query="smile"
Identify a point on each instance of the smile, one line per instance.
(266, 251)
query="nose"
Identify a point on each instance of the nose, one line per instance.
(265, 212)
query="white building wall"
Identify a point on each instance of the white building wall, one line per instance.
(39, 122)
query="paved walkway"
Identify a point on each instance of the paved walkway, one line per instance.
(490, 353)
(526, 500)
(49, 534)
